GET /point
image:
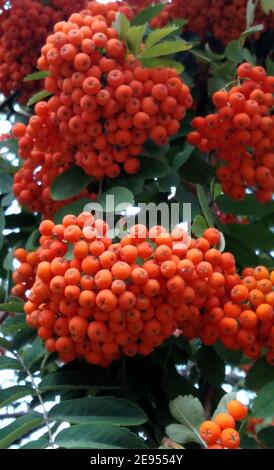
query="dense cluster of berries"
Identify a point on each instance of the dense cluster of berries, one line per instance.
(224, 19)
(240, 134)
(136, 293)
(24, 28)
(220, 432)
(249, 322)
(105, 104)
(45, 157)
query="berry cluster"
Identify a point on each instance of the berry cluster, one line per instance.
(224, 19)
(243, 320)
(24, 28)
(104, 104)
(24, 276)
(240, 134)
(220, 432)
(45, 157)
(110, 298)
(139, 291)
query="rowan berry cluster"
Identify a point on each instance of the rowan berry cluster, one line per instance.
(24, 28)
(110, 298)
(240, 134)
(106, 104)
(45, 157)
(224, 19)
(128, 297)
(220, 432)
(24, 276)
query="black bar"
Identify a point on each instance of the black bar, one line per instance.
(125, 459)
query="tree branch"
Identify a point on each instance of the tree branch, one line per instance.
(39, 396)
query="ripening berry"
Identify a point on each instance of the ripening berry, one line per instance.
(237, 410)
(210, 432)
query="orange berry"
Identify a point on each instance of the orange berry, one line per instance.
(237, 410)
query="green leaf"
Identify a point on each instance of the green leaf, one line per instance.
(65, 381)
(221, 244)
(212, 367)
(250, 12)
(215, 57)
(263, 405)
(181, 157)
(134, 38)
(13, 307)
(162, 62)
(159, 34)
(250, 31)
(152, 168)
(269, 66)
(234, 52)
(41, 95)
(215, 84)
(184, 196)
(248, 56)
(166, 48)
(11, 394)
(9, 363)
(69, 183)
(196, 170)
(39, 75)
(69, 254)
(188, 411)
(267, 6)
(199, 226)
(74, 208)
(4, 343)
(266, 436)
(171, 179)
(5, 184)
(146, 15)
(249, 234)
(32, 240)
(228, 355)
(98, 436)
(244, 255)
(41, 443)
(121, 24)
(249, 206)
(259, 375)
(203, 200)
(248, 442)
(34, 353)
(221, 408)
(182, 434)
(111, 199)
(7, 200)
(203, 55)
(2, 227)
(8, 260)
(13, 324)
(19, 428)
(92, 410)
(24, 336)
(152, 150)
